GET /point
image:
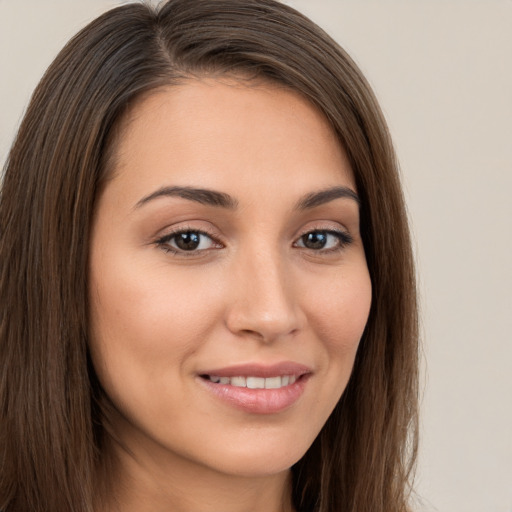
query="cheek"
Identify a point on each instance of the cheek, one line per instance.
(338, 312)
(145, 320)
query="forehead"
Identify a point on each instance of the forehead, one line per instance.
(228, 134)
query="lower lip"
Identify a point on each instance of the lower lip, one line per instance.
(258, 401)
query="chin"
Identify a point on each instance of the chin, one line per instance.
(258, 459)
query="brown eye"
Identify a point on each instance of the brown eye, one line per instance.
(314, 240)
(324, 240)
(188, 241)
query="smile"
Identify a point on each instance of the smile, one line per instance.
(254, 382)
(257, 389)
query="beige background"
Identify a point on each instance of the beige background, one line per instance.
(442, 70)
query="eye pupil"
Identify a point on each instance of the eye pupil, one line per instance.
(315, 240)
(188, 241)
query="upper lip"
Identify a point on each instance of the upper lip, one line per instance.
(260, 370)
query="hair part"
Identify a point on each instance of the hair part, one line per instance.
(53, 415)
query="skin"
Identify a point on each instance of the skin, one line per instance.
(252, 292)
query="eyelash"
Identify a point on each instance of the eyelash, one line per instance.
(343, 240)
(163, 242)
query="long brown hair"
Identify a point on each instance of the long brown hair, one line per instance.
(51, 422)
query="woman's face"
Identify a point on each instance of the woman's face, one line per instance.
(228, 282)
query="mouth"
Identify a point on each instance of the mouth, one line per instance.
(252, 382)
(258, 389)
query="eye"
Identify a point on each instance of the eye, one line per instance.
(324, 240)
(188, 240)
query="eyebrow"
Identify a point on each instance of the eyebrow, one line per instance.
(321, 197)
(220, 199)
(199, 195)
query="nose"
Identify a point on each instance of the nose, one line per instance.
(264, 302)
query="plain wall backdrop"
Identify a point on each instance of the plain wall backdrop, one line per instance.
(443, 73)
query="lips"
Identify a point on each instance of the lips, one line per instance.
(258, 389)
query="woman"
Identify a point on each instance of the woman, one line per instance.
(208, 297)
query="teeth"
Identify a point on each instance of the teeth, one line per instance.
(255, 382)
(238, 381)
(273, 383)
